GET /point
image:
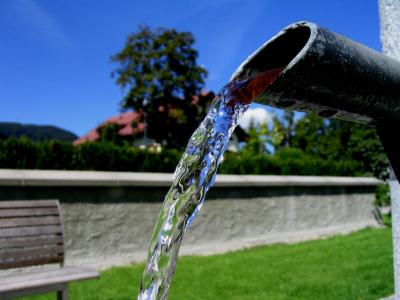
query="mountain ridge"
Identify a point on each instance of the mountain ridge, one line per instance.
(34, 132)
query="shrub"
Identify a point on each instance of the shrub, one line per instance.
(382, 195)
(288, 161)
(18, 154)
(106, 156)
(102, 156)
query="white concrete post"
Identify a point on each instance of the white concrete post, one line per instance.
(389, 11)
(395, 196)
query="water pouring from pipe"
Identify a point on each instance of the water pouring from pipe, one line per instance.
(193, 177)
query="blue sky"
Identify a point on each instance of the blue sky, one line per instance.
(54, 55)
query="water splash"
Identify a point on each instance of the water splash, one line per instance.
(193, 177)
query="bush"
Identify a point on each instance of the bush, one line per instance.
(102, 156)
(288, 161)
(18, 154)
(382, 195)
(106, 156)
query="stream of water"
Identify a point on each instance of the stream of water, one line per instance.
(193, 177)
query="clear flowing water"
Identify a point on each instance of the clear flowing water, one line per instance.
(193, 177)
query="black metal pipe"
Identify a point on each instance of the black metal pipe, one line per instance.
(332, 76)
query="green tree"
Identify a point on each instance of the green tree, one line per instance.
(258, 137)
(277, 133)
(109, 133)
(288, 116)
(283, 130)
(360, 143)
(310, 132)
(338, 140)
(159, 73)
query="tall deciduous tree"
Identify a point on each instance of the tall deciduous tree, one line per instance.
(283, 130)
(258, 137)
(159, 73)
(340, 140)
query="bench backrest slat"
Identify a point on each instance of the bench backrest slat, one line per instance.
(30, 233)
(31, 221)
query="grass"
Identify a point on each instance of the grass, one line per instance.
(355, 266)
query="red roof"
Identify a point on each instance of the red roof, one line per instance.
(124, 121)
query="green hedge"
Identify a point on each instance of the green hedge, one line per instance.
(287, 162)
(104, 156)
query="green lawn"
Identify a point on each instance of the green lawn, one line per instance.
(355, 266)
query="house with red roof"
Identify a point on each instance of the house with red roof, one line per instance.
(131, 126)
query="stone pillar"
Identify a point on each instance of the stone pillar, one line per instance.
(389, 11)
(395, 196)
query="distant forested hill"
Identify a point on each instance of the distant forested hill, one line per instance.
(35, 132)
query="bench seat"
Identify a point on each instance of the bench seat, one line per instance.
(28, 282)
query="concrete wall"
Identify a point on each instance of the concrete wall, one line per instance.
(109, 217)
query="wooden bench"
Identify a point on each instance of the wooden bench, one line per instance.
(31, 234)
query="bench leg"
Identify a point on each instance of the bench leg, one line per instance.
(63, 294)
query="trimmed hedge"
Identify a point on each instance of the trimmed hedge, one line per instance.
(101, 156)
(287, 162)
(105, 156)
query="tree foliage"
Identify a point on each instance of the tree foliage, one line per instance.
(159, 73)
(258, 138)
(336, 140)
(283, 130)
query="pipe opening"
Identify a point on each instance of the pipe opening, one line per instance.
(279, 52)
